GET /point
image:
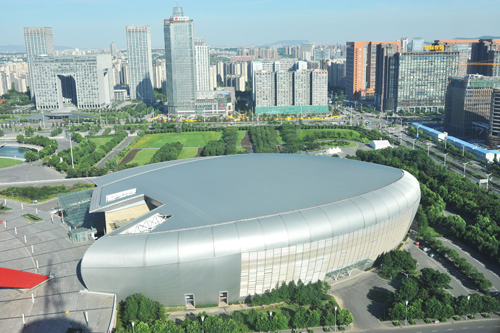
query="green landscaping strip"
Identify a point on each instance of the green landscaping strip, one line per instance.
(32, 217)
(5, 162)
(188, 153)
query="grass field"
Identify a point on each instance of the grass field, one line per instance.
(188, 153)
(241, 135)
(101, 141)
(280, 140)
(355, 134)
(5, 162)
(143, 156)
(189, 139)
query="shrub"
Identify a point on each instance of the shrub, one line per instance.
(396, 323)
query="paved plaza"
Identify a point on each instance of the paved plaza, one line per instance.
(59, 303)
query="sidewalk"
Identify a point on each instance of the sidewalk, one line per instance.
(451, 321)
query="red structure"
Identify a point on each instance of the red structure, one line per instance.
(11, 278)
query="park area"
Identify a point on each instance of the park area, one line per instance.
(143, 156)
(188, 139)
(99, 141)
(5, 162)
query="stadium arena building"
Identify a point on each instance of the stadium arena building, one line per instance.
(211, 230)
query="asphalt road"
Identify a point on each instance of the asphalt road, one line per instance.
(116, 150)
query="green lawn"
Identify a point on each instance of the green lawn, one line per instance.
(241, 135)
(101, 141)
(355, 134)
(189, 139)
(188, 153)
(335, 144)
(280, 140)
(5, 162)
(143, 156)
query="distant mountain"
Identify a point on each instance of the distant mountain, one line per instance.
(292, 42)
(482, 37)
(21, 49)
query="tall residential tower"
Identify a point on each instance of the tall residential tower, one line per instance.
(140, 62)
(179, 56)
(38, 41)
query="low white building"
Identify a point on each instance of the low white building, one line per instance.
(379, 144)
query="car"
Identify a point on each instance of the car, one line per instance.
(426, 249)
(417, 243)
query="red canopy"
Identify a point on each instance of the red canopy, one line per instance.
(12, 278)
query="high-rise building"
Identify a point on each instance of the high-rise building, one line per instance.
(202, 64)
(494, 128)
(468, 103)
(336, 74)
(417, 44)
(404, 44)
(265, 88)
(485, 52)
(124, 78)
(386, 79)
(319, 87)
(361, 59)
(159, 73)
(422, 78)
(113, 50)
(301, 87)
(140, 63)
(321, 53)
(38, 41)
(213, 76)
(179, 55)
(84, 81)
(284, 88)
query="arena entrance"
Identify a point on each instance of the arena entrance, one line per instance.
(189, 300)
(223, 298)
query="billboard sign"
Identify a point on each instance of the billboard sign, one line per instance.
(437, 48)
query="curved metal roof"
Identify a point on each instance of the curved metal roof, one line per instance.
(210, 191)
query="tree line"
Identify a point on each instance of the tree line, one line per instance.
(264, 139)
(168, 152)
(226, 145)
(441, 188)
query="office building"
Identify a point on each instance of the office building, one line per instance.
(494, 128)
(321, 53)
(38, 41)
(202, 64)
(284, 88)
(386, 79)
(417, 44)
(213, 76)
(124, 78)
(179, 55)
(113, 50)
(301, 88)
(159, 73)
(83, 81)
(468, 105)
(182, 245)
(485, 52)
(404, 44)
(319, 87)
(422, 78)
(361, 59)
(140, 63)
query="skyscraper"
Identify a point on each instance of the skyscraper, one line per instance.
(202, 64)
(404, 44)
(386, 82)
(360, 69)
(417, 44)
(113, 50)
(485, 51)
(38, 41)
(140, 63)
(179, 55)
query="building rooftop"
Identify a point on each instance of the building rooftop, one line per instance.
(207, 191)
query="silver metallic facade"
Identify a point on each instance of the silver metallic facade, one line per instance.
(85, 81)
(179, 55)
(202, 64)
(140, 63)
(37, 41)
(244, 235)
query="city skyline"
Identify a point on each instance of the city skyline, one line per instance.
(254, 22)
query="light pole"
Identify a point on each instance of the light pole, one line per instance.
(428, 146)
(202, 324)
(270, 319)
(133, 331)
(466, 314)
(444, 142)
(335, 319)
(405, 274)
(464, 166)
(445, 158)
(487, 180)
(406, 320)
(413, 140)
(463, 150)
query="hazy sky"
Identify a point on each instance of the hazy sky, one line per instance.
(96, 23)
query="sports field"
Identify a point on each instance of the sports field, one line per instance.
(188, 139)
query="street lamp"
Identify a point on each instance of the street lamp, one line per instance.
(445, 158)
(335, 319)
(202, 324)
(405, 274)
(133, 331)
(413, 140)
(406, 320)
(464, 166)
(468, 297)
(487, 180)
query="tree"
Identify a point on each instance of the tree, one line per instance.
(256, 300)
(30, 156)
(314, 318)
(433, 278)
(345, 317)
(263, 323)
(252, 316)
(398, 311)
(408, 290)
(299, 320)
(265, 299)
(20, 138)
(433, 308)
(279, 322)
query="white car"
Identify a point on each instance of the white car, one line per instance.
(426, 249)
